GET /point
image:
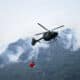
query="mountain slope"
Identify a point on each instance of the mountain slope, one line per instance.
(55, 62)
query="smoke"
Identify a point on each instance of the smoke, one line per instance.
(23, 51)
(68, 39)
(20, 51)
(14, 51)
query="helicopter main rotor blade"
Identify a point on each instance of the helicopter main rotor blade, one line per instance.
(58, 27)
(43, 26)
(40, 33)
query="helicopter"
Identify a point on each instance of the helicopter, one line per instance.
(47, 35)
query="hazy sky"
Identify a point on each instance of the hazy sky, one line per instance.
(18, 18)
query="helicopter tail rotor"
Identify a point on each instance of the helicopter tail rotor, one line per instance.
(34, 41)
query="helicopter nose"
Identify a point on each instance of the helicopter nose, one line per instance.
(56, 33)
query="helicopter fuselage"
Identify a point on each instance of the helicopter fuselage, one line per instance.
(49, 35)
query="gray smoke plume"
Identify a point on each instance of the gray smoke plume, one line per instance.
(23, 51)
(68, 40)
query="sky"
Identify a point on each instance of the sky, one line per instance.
(19, 18)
